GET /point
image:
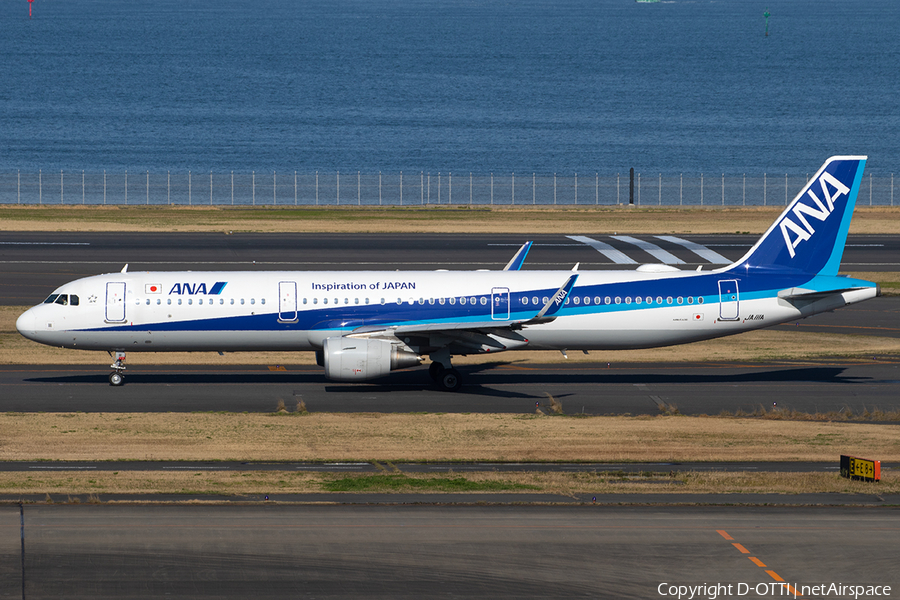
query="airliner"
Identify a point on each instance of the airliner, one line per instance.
(364, 324)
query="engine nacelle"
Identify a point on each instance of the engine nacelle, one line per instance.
(356, 359)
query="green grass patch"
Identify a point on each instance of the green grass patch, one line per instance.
(402, 483)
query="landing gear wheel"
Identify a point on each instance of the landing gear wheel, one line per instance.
(435, 370)
(450, 380)
(116, 379)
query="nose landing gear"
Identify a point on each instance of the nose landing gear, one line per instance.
(117, 377)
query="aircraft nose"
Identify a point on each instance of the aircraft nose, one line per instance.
(25, 323)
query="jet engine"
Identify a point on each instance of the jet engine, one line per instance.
(357, 359)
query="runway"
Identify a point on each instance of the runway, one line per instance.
(641, 388)
(33, 264)
(271, 551)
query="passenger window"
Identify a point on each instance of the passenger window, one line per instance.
(382, 301)
(179, 302)
(462, 300)
(304, 301)
(190, 301)
(324, 300)
(431, 301)
(158, 301)
(690, 299)
(315, 301)
(148, 301)
(618, 300)
(169, 301)
(356, 301)
(441, 301)
(200, 301)
(649, 300)
(252, 300)
(587, 299)
(525, 300)
(452, 301)
(367, 300)
(242, 301)
(535, 300)
(421, 301)
(627, 299)
(483, 301)
(399, 300)
(232, 301)
(679, 300)
(700, 300)
(544, 300)
(636, 300)
(608, 300)
(221, 300)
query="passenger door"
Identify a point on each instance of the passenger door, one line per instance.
(287, 301)
(729, 309)
(115, 302)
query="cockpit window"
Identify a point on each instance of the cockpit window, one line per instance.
(62, 299)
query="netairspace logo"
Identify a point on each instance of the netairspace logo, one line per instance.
(773, 589)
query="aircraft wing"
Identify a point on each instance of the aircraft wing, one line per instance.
(469, 333)
(516, 261)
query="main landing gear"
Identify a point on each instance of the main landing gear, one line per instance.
(117, 377)
(446, 377)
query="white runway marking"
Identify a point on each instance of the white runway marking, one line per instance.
(701, 251)
(604, 249)
(651, 249)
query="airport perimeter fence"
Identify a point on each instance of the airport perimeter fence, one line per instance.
(410, 189)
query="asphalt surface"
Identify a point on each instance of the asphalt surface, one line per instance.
(33, 264)
(110, 551)
(641, 388)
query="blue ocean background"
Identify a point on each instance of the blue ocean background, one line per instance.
(440, 85)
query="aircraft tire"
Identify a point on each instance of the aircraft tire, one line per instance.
(116, 379)
(451, 380)
(435, 370)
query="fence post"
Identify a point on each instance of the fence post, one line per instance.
(82, 186)
(210, 188)
(232, 188)
(439, 187)
(429, 188)
(681, 191)
(744, 191)
(554, 189)
(40, 186)
(701, 189)
(639, 189)
(379, 188)
(659, 189)
(785, 189)
(317, 188)
(19, 186)
(892, 189)
(126, 187)
(492, 189)
(617, 189)
(514, 189)
(252, 187)
(470, 188)
(148, 187)
(338, 188)
(274, 187)
(358, 191)
(450, 187)
(61, 201)
(533, 194)
(870, 188)
(723, 189)
(401, 188)
(597, 189)
(104, 187)
(576, 189)
(422, 188)
(169, 187)
(295, 187)
(765, 192)
(191, 191)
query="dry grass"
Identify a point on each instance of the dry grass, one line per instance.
(58, 486)
(433, 437)
(569, 220)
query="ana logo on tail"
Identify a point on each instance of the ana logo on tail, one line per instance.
(820, 211)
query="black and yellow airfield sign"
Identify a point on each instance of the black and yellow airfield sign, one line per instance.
(861, 469)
